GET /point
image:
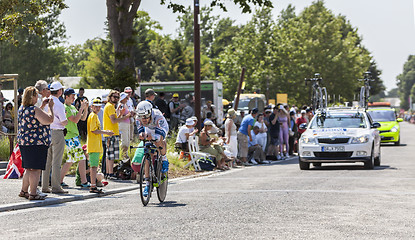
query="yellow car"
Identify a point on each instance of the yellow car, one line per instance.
(389, 130)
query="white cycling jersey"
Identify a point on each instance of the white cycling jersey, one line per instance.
(157, 127)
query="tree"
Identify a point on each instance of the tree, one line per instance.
(121, 16)
(406, 80)
(394, 92)
(21, 14)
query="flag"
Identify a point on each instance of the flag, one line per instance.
(14, 168)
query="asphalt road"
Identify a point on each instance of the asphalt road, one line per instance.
(263, 202)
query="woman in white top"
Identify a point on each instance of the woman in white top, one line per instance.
(261, 137)
(230, 132)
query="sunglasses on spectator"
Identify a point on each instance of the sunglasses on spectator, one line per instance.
(116, 97)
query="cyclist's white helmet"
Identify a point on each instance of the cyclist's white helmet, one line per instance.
(144, 109)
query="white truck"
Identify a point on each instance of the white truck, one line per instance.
(210, 90)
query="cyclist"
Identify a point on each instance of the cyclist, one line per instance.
(152, 126)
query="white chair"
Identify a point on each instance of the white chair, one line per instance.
(194, 153)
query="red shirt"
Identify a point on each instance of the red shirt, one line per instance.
(299, 121)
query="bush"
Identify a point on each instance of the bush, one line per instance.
(4, 148)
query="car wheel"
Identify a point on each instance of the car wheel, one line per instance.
(398, 142)
(303, 165)
(317, 164)
(369, 164)
(377, 160)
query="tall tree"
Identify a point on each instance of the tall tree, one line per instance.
(406, 80)
(121, 14)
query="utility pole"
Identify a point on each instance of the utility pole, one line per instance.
(241, 80)
(196, 42)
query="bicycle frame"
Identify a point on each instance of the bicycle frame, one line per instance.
(318, 94)
(365, 90)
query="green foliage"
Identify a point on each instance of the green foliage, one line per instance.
(394, 92)
(21, 14)
(406, 81)
(4, 148)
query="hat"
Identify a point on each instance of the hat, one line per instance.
(208, 123)
(281, 107)
(123, 95)
(308, 110)
(55, 86)
(69, 91)
(303, 111)
(190, 122)
(150, 92)
(209, 102)
(128, 89)
(268, 110)
(20, 90)
(194, 118)
(176, 95)
(97, 102)
(231, 112)
(254, 111)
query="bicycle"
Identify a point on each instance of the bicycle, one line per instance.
(157, 179)
(365, 90)
(318, 94)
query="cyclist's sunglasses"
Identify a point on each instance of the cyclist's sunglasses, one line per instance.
(145, 117)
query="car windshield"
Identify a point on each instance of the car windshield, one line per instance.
(339, 120)
(243, 104)
(382, 115)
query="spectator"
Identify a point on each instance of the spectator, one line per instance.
(131, 103)
(94, 141)
(293, 133)
(274, 132)
(174, 107)
(244, 135)
(207, 145)
(194, 129)
(122, 111)
(111, 121)
(80, 98)
(2, 100)
(8, 119)
(261, 136)
(231, 133)
(150, 96)
(57, 146)
(73, 143)
(183, 135)
(301, 120)
(19, 97)
(43, 92)
(254, 149)
(309, 112)
(283, 118)
(81, 123)
(162, 105)
(33, 139)
(187, 111)
(209, 108)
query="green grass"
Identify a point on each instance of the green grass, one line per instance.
(4, 148)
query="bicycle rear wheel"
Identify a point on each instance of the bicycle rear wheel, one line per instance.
(145, 199)
(163, 179)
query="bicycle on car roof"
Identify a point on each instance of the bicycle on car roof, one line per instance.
(365, 89)
(318, 93)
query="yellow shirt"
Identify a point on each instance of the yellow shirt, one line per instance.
(108, 125)
(93, 141)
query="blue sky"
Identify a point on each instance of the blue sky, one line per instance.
(387, 27)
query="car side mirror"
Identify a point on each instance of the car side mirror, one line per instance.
(399, 120)
(376, 125)
(303, 126)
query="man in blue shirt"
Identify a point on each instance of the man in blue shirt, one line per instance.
(244, 134)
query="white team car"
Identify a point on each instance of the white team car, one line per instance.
(340, 135)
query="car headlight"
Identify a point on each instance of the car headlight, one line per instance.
(394, 129)
(308, 140)
(361, 139)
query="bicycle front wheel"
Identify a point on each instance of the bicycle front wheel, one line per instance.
(163, 182)
(145, 199)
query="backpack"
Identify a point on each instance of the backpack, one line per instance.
(207, 163)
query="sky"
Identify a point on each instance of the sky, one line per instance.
(387, 27)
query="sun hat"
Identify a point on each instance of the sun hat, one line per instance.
(231, 112)
(97, 102)
(123, 95)
(281, 107)
(55, 86)
(175, 95)
(208, 123)
(194, 118)
(190, 122)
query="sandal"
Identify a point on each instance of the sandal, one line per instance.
(36, 197)
(96, 190)
(24, 194)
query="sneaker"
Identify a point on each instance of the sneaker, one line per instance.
(265, 162)
(279, 157)
(247, 164)
(254, 162)
(287, 155)
(145, 192)
(100, 184)
(40, 193)
(164, 166)
(87, 184)
(63, 184)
